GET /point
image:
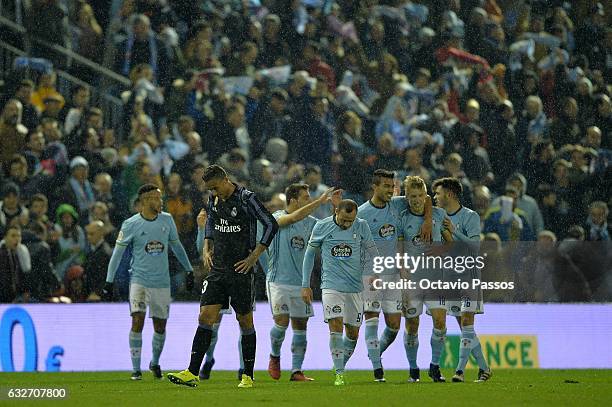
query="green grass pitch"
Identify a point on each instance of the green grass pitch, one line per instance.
(507, 387)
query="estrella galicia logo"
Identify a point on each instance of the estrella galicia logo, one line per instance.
(297, 242)
(342, 251)
(386, 231)
(154, 248)
(336, 309)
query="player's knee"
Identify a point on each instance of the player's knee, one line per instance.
(245, 321)
(137, 322)
(281, 320)
(205, 318)
(335, 325)
(299, 323)
(467, 319)
(352, 332)
(412, 325)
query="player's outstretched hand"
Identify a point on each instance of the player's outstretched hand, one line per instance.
(107, 292)
(327, 195)
(201, 219)
(189, 281)
(243, 266)
(336, 197)
(307, 295)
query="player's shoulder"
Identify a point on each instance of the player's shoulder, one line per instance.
(438, 212)
(361, 222)
(132, 220)
(468, 213)
(364, 206)
(325, 222)
(165, 216)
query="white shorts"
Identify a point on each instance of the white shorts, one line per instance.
(413, 304)
(348, 306)
(388, 301)
(287, 300)
(456, 308)
(158, 300)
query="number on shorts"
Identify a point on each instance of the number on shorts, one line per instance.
(466, 302)
(204, 285)
(442, 300)
(359, 317)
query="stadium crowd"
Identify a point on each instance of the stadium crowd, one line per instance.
(511, 97)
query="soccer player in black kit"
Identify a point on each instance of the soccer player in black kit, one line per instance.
(230, 250)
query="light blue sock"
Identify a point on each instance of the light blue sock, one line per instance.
(298, 350)
(371, 338)
(210, 353)
(336, 346)
(240, 352)
(349, 348)
(158, 346)
(466, 343)
(477, 352)
(411, 345)
(387, 338)
(135, 349)
(277, 336)
(438, 336)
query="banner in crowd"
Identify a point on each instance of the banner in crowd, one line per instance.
(94, 337)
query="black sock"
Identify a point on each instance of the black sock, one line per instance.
(201, 342)
(249, 341)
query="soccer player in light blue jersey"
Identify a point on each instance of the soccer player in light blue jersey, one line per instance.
(343, 240)
(464, 226)
(284, 276)
(149, 234)
(382, 213)
(410, 222)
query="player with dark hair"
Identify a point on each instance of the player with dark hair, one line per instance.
(342, 239)
(148, 234)
(230, 250)
(464, 226)
(284, 276)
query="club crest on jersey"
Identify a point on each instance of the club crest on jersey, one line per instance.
(154, 248)
(234, 212)
(120, 236)
(297, 242)
(342, 251)
(386, 230)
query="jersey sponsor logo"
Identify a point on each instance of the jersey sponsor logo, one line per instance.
(387, 230)
(154, 248)
(342, 251)
(297, 242)
(225, 227)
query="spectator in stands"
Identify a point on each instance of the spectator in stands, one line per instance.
(538, 169)
(87, 33)
(526, 203)
(313, 178)
(597, 228)
(39, 208)
(47, 83)
(11, 208)
(18, 174)
(565, 129)
(15, 275)
(48, 21)
(12, 132)
(100, 212)
(35, 147)
(603, 119)
(74, 111)
(98, 256)
(72, 243)
(507, 220)
(270, 120)
(43, 282)
(30, 117)
(413, 165)
(78, 191)
(242, 63)
(141, 47)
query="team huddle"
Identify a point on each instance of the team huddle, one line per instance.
(347, 242)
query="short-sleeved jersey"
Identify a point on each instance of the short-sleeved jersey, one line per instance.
(341, 253)
(286, 253)
(232, 225)
(384, 225)
(466, 223)
(410, 225)
(149, 241)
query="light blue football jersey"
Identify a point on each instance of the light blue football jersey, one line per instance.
(384, 225)
(410, 225)
(286, 253)
(342, 252)
(149, 240)
(467, 225)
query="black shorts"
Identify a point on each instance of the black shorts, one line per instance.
(229, 287)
